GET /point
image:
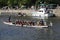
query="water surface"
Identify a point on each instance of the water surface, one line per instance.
(8, 32)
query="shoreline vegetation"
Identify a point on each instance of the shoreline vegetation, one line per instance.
(14, 5)
(26, 6)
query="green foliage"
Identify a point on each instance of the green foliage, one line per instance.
(25, 2)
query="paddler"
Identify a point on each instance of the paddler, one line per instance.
(42, 22)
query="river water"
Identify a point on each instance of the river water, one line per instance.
(8, 32)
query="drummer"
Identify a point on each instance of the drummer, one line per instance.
(9, 19)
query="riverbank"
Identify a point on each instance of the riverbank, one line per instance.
(28, 11)
(57, 11)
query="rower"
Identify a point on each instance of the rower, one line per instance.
(42, 22)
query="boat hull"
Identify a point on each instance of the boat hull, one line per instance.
(43, 12)
(36, 26)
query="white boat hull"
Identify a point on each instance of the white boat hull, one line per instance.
(42, 12)
(9, 23)
(32, 26)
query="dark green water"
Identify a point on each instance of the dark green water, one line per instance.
(8, 32)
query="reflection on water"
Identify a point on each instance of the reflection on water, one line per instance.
(17, 33)
(22, 33)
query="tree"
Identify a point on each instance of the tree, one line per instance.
(28, 3)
